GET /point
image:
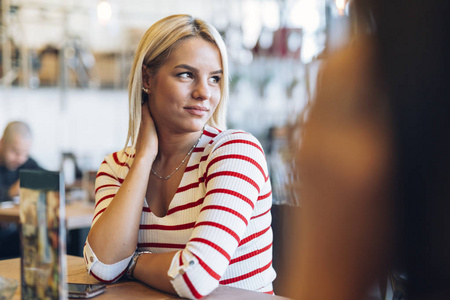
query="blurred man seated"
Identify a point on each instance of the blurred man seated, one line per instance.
(15, 147)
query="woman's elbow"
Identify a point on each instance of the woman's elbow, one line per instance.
(106, 273)
(197, 290)
(109, 276)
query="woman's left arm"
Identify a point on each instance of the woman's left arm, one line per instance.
(235, 175)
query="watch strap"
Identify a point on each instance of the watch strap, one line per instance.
(132, 265)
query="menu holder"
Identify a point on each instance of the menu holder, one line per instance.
(43, 235)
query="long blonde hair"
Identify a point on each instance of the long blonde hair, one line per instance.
(153, 51)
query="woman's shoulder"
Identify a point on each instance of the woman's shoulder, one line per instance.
(120, 159)
(235, 137)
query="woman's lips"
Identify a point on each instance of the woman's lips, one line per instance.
(197, 110)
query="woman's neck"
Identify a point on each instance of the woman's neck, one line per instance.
(172, 145)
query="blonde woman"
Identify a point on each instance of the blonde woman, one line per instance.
(186, 206)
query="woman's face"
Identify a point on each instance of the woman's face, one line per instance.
(185, 91)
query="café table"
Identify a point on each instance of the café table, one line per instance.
(126, 289)
(79, 214)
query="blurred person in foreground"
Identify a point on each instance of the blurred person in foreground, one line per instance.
(373, 160)
(15, 146)
(187, 206)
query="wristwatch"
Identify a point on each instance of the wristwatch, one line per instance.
(132, 264)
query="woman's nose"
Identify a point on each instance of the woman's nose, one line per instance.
(201, 90)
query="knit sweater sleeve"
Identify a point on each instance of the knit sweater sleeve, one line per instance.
(109, 178)
(234, 175)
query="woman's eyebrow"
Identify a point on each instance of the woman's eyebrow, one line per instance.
(192, 69)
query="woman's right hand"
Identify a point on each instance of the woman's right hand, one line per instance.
(147, 141)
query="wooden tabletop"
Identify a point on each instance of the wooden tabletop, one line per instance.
(79, 214)
(125, 289)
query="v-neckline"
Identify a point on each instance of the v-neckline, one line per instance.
(187, 164)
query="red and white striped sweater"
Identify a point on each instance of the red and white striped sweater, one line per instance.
(219, 219)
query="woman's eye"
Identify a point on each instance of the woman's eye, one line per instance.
(215, 79)
(185, 75)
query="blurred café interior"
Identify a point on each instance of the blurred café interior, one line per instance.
(65, 65)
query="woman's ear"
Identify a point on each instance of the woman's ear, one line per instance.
(146, 79)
